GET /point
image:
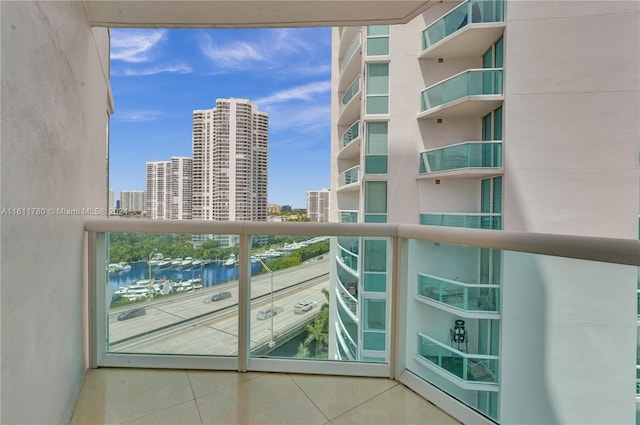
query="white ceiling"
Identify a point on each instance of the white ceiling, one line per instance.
(251, 13)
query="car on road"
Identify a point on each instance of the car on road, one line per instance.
(221, 296)
(303, 306)
(130, 314)
(266, 313)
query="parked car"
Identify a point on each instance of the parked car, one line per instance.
(130, 314)
(221, 296)
(265, 314)
(303, 306)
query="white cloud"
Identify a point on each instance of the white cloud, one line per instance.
(176, 69)
(134, 45)
(304, 118)
(138, 116)
(268, 48)
(304, 92)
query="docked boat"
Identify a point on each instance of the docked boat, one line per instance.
(186, 263)
(231, 261)
(176, 262)
(163, 264)
(155, 260)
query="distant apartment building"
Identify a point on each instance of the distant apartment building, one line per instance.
(112, 196)
(230, 158)
(318, 205)
(168, 194)
(273, 209)
(132, 200)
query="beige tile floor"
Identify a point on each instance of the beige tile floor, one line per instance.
(149, 396)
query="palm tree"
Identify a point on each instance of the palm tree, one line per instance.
(318, 331)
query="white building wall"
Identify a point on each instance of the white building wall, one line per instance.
(56, 68)
(571, 111)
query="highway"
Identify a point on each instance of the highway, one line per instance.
(193, 324)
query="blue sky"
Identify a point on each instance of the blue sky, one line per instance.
(159, 76)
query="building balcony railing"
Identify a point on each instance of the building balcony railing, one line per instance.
(351, 134)
(473, 92)
(347, 300)
(348, 258)
(350, 93)
(353, 47)
(491, 221)
(464, 296)
(346, 216)
(350, 176)
(157, 316)
(466, 367)
(462, 159)
(467, 30)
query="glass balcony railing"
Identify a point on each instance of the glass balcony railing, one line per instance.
(467, 367)
(352, 175)
(476, 82)
(469, 12)
(464, 296)
(470, 221)
(240, 298)
(353, 89)
(462, 156)
(351, 134)
(348, 216)
(353, 46)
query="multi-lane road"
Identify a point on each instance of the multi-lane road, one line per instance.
(193, 324)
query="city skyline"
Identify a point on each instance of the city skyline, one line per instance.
(159, 77)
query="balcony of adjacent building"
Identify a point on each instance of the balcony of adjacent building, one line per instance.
(465, 299)
(348, 216)
(350, 142)
(349, 180)
(462, 160)
(351, 54)
(350, 102)
(470, 93)
(465, 31)
(489, 221)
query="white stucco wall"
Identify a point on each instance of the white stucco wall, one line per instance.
(53, 145)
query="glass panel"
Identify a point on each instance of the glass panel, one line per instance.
(353, 89)
(378, 46)
(498, 52)
(353, 46)
(164, 293)
(349, 176)
(469, 83)
(373, 341)
(377, 104)
(486, 127)
(487, 58)
(352, 133)
(462, 295)
(375, 197)
(375, 255)
(375, 282)
(472, 221)
(497, 124)
(375, 164)
(375, 218)
(377, 137)
(373, 30)
(497, 195)
(485, 196)
(348, 216)
(289, 295)
(377, 78)
(473, 11)
(375, 314)
(466, 155)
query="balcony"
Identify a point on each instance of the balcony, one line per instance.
(350, 147)
(463, 160)
(350, 103)
(348, 180)
(462, 368)
(188, 330)
(469, 297)
(471, 93)
(467, 30)
(491, 221)
(348, 216)
(349, 64)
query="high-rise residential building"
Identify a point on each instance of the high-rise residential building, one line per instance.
(318, 205)
(112, 198)
(168, 194)
(133, 200)
(158, 183)
(230, 158)
(468, 116)
(180, 187)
